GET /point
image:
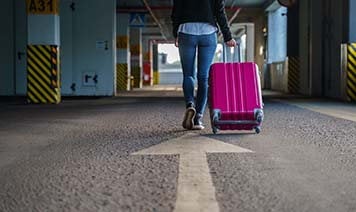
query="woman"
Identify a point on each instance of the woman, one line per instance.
(195, 26)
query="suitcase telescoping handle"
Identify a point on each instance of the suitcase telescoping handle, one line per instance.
(233, 57)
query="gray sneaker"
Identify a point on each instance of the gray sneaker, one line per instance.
(198, 122)
(188, 121)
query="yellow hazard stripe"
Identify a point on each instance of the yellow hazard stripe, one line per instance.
(352, 60)
(36, 63)
(351, 95)
(351, 85)
(44, 85)
(353, 45)
(41, 90)
(293, 75)
(42, 74)
(32, 98)
(41, 54)
(45, 51)
(156, 77)
(351, 77)
(43, 77)
(34, 91)
(352, 50)
(122, 77)
(351, 72)
(351, 67)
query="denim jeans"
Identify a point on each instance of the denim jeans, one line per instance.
(189, 47)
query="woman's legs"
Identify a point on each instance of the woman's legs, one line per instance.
(188, 45)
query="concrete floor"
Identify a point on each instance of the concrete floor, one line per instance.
(77, 156)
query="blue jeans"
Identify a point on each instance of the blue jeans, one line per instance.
(189, 47)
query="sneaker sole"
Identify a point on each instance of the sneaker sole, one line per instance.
(188, 121)
(198, 127)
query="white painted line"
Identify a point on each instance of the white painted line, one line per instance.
(334, 109)
(196, 191)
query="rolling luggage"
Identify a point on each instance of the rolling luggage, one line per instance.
(235, 97)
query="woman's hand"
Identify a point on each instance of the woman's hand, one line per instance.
(231, 43)
(176, 42)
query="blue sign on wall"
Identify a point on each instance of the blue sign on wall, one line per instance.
(137, 19)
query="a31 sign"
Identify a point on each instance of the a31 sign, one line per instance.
(42, 7)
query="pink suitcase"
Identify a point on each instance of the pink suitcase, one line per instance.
(235, 98)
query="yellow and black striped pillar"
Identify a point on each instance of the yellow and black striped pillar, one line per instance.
(122, 78)
(293, 75)
(43, 74)
(156, 76)
(122, 68)
(351, 72)
(43, 83)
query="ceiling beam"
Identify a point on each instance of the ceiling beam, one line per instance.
(159, 8)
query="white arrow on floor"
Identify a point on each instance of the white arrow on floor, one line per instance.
(195, 187)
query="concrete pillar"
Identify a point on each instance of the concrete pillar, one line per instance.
(277, 35)
(260, 45)
(43, 76)
(276, 75)
(323, 28)
(250, 42)
(123, 72)
(155, 58)
(136, 56)
(147, 62)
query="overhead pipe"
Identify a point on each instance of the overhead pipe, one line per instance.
(233, 17)
(154, 17)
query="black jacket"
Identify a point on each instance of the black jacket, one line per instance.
(207, 11)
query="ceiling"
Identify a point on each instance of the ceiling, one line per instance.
(158, 12)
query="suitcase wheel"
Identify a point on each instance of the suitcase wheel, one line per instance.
(215, 130)
(258, 130)
(215, 118)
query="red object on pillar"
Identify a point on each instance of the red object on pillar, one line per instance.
(147, 73)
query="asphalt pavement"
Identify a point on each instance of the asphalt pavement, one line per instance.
(79, 156)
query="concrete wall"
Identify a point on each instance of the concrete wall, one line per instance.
(7, 48)
(92, 43)
(67, 43)
(275, 74)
